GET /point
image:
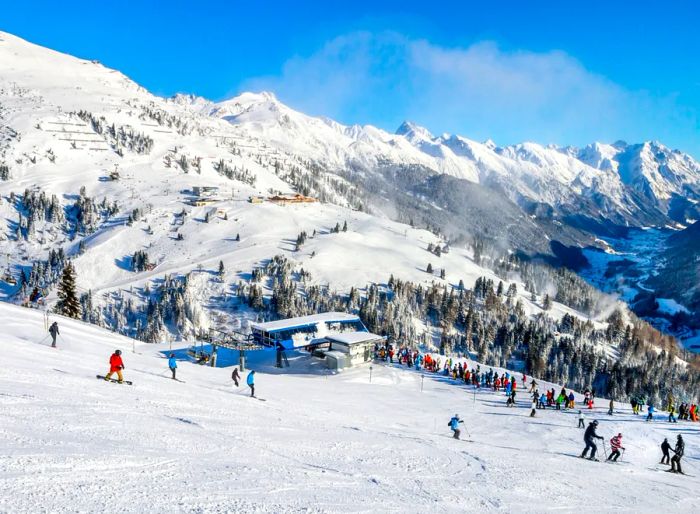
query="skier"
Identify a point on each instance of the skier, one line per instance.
(581, 418)
(235, 376)
(250, 380)
(612, 406)
(650, 413)
(53, 330)
(676, 459)
(116, 365)
(615, 445)
(534, 408)
(454, 425)
(671, 412)
(588, 438)
(172, 364)
(665, 447)
(560, 400)
(543, 399)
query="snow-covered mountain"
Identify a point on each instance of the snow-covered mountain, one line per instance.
(100, 168)
(626, 184)
(97, 166)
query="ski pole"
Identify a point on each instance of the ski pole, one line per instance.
(623, 454)
(605, 452)
(44, 339)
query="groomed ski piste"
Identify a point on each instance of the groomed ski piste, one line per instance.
(320, 443)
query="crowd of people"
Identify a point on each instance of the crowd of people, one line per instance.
(564, 400)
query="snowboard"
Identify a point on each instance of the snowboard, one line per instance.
(114, 380)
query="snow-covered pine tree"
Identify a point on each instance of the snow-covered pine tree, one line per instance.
(68, 303)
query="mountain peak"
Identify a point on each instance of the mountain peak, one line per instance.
(411, 130)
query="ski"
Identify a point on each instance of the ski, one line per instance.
(678, 473)
(114, 380)
(260, 399)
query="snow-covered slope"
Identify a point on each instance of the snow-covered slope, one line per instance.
(319, 443)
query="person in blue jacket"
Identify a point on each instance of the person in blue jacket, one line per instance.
(650, 413)
(172, 364)
(250, 380)
(454, 425)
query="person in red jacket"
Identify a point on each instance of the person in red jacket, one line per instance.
(615, 445)
(116, 365)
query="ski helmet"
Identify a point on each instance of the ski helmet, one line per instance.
(456, 415)
(595, 421)
(118, 352)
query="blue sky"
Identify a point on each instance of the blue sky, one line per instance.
(552, 72)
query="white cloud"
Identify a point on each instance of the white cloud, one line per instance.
(479, 91)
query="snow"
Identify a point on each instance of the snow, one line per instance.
(319, 443)
(355, 337)
(670, 306)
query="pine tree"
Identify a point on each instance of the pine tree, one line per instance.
(68, 303)
(345, 226)
(547, 302)
(429, 269)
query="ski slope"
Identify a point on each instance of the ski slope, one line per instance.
(318, 443)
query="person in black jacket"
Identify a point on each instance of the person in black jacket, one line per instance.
(676, 459)
(53, 330)
(665, 447)
(588, 438)
(235, 376)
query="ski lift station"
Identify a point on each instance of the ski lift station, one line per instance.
(339, 338)
(335, 340)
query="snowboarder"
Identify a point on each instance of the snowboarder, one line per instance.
(588, 438)
(172, 364)
(235, 376)
(615, 445)
(665, 447)
(53, 330)
(534, 408)
(581, 418)
(454, 426)
(116, 365)
(611, 407)
(679, 450)
(250, 380)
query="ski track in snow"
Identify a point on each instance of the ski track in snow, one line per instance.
(319, 444)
